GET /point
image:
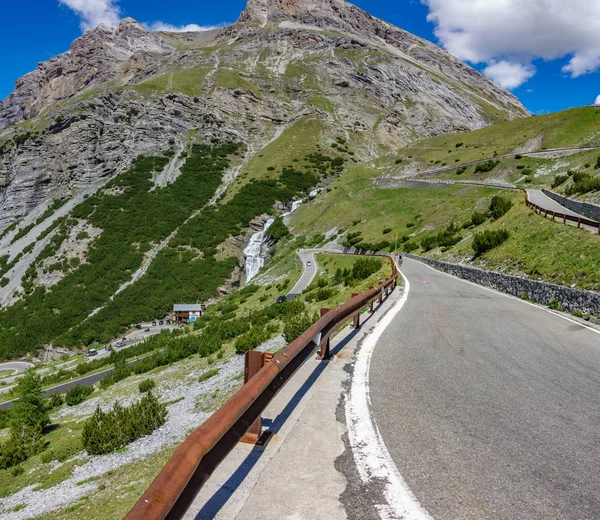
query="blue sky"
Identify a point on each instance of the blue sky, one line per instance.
(547, 54)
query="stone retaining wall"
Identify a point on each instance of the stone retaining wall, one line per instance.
(591, 211)
(541, 292)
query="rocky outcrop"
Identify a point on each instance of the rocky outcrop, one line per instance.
(347, 18)
(98, 56)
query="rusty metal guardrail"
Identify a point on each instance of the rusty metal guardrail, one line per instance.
(176, 486)
(571, 218)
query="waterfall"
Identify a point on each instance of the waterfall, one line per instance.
(253, 253)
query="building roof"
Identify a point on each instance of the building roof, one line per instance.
(182, 307)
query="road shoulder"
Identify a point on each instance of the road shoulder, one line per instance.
(306, 470)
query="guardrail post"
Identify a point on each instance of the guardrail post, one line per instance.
(565, 220)
(579, 222)
(356, 318)
(253, 362)
(324, 354)
(599, 229)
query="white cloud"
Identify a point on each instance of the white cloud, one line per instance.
(518, 32)
(597, 101)
(509, 75)
(192, 27)
(94, 12)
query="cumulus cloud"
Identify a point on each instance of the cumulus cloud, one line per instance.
(94, 12)
(192, 27)
(509, 75)
(509, 35)
(597, 101)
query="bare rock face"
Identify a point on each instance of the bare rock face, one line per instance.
(98, 56)
(125, 91)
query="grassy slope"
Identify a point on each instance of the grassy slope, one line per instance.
(576, 127)
(132, 479)
(537, 248)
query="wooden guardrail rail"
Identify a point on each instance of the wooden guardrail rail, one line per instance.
(176, 486)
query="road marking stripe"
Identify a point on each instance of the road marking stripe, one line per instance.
(375, 466)
(495, 291)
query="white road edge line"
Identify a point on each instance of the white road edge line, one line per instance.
(495, 291)
(375, 466)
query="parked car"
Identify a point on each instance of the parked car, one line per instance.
(160, 322)
(124, 338)
(309, 263)
(92, 352)
(120, 344)
(138, 327)
(281, 299)
(168, 322)
(154, 324)
(147, 329)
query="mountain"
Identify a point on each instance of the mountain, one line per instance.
(280, 61)
(97, 142)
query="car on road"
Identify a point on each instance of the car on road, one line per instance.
(120, 344)
(160, 322)
(168, 322)
(138, 327)
(124, 338)
(147, 329)
(108, 348)
(281, 299)
(92, 352)
(154, 324)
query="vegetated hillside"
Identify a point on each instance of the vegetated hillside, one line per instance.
(81, 117)
(443, 221)
(135, 165)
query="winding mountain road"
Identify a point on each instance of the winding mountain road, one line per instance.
(542, 200)
(489, 406)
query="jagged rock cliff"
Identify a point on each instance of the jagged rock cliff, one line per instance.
(81, 117)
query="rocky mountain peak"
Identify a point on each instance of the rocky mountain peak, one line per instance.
(97, 56)
(315, 12)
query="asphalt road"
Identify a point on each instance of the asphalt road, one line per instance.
(16, 366)
(543, 201)
(489, 406)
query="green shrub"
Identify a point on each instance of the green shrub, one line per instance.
(448, 237)
(55, 401)
(251, 340)
(483, 242)
(559, 180)
(146, 385)
(486, 167)
(278, 230)
(321, 295)
(78, 394)
(554, 304)
(499, 206)
(27, 421)
(106, 432)
(208, 375)
(386, 231)
(297, 325)
(478, 218)
(527, 171)
(409, 247)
